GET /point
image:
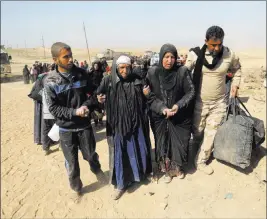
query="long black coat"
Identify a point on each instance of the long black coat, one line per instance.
(171, 135)
(106, 88)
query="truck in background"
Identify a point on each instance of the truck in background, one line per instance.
(110, 54)
(5, 65)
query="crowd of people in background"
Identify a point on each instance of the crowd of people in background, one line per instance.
(31, 74)
(99, 67)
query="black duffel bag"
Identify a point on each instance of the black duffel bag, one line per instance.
(237, 135)
(258, 128)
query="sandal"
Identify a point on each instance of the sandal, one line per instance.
(167, 178)
(181, 175)
(117, 194)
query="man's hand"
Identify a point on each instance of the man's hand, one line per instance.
(234, 91)
(82, 111)
(174, 109)
(230, 75)
(146, 90)
(101, 98)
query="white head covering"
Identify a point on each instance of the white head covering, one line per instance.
(123, 60)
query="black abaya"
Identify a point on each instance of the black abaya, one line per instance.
(38, 123)
(26, 75)
(169, 87)
(127, 128)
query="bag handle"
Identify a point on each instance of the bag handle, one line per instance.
(228, 109)
(242, 104)
(234, 111)
(231, 105)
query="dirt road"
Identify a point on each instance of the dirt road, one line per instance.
(36, 186)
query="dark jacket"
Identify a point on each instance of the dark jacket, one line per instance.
(104, 65)
(96, 77)
(36, 92)
(67, 92)
(182, 95)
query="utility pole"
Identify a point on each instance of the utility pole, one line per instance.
(86, 43)
(43, 46)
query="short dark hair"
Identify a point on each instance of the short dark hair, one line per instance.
(57, 47)
(215, 32)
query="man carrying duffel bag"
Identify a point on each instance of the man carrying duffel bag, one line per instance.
(238, 134)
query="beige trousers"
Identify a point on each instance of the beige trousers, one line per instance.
(207, 117)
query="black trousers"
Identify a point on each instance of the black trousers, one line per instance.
(47, 142)
(38, 107)
(71, 142)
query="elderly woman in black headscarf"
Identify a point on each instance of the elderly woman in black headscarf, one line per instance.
(170, 93)
(26, 75)
(96, 73)
(127, 125)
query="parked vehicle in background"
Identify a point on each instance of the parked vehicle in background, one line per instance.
(5, 65)
(110, 54)
(154, 59)
(147, 54)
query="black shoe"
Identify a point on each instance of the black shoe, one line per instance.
(47, 152)
(78, 188)
(101, 177)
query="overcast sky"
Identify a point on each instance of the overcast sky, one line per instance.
(131, 24)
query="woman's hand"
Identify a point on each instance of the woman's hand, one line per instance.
(175, 109)
(167, 112)
(170, 112)
(146, 90)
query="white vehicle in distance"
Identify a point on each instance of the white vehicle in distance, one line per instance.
(154, 59)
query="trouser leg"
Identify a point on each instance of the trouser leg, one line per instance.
(199, 123)
(215, 112)
(69, 146)
(47, 125)
(87, 146)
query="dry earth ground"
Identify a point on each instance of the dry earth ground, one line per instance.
(36, 186)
